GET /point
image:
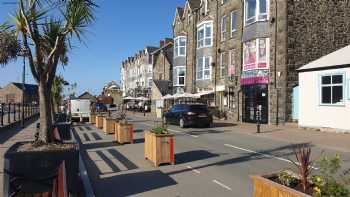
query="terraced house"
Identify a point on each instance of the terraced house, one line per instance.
(243, 54)
(136, 74)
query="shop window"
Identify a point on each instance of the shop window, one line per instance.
(332, 89)
(255, 54)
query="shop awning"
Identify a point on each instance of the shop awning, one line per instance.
(142, 98)
(129, 98)
(200, 94)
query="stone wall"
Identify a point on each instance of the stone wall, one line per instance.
(315, 28)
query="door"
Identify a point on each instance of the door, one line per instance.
(296, 103)
(255, 98)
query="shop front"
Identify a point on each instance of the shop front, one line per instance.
(254, 81)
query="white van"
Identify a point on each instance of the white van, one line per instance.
(80, 109)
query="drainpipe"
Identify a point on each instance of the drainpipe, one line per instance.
(275, 64)
(216, 48)
(194, 49)
(241, 56)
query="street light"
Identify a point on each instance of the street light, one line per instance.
(23, 53)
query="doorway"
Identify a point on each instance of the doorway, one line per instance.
(254, 96)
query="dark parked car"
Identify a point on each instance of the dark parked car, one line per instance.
(189, 115)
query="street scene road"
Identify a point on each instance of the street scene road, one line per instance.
(209, 162)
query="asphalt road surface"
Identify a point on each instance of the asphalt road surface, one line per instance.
(209, 162)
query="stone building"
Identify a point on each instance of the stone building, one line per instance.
(13, 93)
(247, 52)
(112, 89)
(162, 72)
(162, 60)
(136, 74)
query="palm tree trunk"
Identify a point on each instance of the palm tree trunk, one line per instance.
(45, 113)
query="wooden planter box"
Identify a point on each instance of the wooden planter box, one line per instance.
(108, 125)
(264, 187)
(27, 168)
(99, 121)
(124, 133)
(159, 148)
(92, 118)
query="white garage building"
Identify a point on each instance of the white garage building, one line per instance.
(324, 98)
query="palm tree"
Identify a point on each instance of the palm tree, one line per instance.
(47, 29)
(9, 45)
(57, 91)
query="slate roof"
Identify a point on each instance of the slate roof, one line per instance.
(167, 51)
(30, 89)
(163, 86)
(337, 58)
(180, 11)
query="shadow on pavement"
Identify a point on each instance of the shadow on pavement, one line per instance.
(205, 131)
(223, 124)
(133, 183)
(275, 152)
(195, 155)
(8, 132)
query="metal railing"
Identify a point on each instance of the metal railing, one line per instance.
(11, 113)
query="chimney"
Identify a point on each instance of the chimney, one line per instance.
(161, 44)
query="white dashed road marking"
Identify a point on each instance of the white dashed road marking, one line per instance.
(194, 170)
(222, 185)
(265, 155)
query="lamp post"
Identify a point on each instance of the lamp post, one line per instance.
(23, 53)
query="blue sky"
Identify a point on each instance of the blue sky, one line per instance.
(122, 28)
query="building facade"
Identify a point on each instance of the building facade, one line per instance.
(112, 89)
(247, 52)
(137, 73)
(13, 93)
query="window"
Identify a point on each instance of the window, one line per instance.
(223, 2)
(233, 22)
(332, 89)
(223, 28)
(149, 82)
(203, 70)
(255, 54)
(180, 46)
(232, 63)
(255, 10)
(204, 35)
(222, 65)
(180, 74)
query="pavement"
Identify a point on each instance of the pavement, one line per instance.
(9, 137)
(209, 162)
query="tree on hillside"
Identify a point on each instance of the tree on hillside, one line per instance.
(46, 29)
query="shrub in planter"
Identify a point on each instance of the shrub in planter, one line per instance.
(124, 132)
(159, 146)
(286, 183)
(328, 183)
(32, 168)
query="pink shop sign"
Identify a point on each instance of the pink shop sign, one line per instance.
(255, 80)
